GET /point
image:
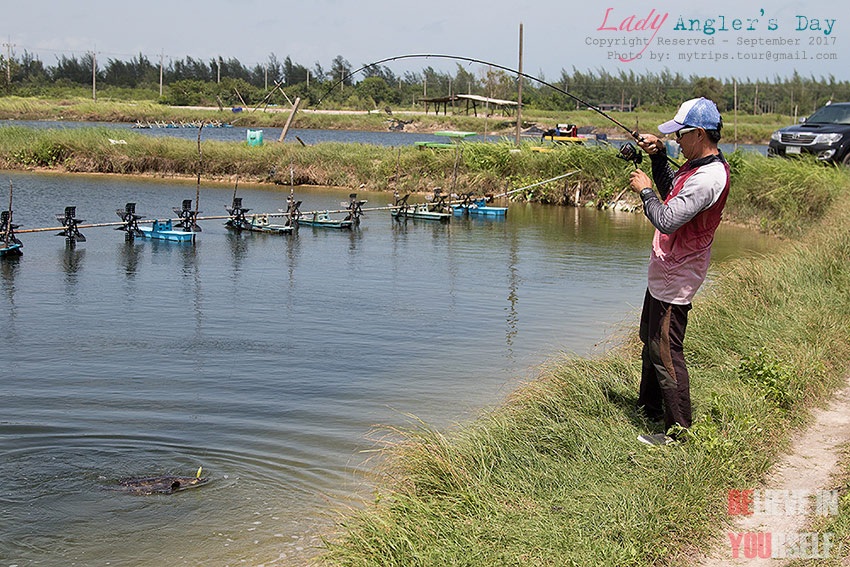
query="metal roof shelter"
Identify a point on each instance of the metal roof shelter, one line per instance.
(506, 106)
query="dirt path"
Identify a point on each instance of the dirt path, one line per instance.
(805, 470)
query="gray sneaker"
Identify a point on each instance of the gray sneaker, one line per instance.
(657, 439)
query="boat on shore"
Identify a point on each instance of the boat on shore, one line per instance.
(562, 134)
(454, 137)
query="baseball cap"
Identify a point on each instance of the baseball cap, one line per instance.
(694, 113)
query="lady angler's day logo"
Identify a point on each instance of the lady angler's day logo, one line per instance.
(659, 36)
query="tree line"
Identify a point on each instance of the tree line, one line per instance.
(227, 82)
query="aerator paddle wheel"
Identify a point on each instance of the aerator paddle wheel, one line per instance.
(293, 210)
(355, 208)
(70, 221)
(237, 214)
(7, 234)
(438, 203)
(401, 205)
(188, 217)
(131, 221)
(466, 200)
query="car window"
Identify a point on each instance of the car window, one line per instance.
(833, 114)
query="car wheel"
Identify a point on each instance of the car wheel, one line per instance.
(846, 161)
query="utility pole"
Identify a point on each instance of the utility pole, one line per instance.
(94, 75)
(519, 90)
(756, 100)
(9, 45)
(735, 92)
(218, 64)
(161, 60)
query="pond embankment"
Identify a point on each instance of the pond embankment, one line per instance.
(598, 177)
(555, 476)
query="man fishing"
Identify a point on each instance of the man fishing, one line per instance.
(685, 218)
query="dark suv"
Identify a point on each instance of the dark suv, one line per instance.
(826, 134)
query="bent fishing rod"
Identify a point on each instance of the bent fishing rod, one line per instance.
(633, 133)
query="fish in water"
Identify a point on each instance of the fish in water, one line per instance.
(161, 484)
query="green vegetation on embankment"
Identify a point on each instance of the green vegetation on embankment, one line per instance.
(779, 195)
(555, 476)
(743, 128)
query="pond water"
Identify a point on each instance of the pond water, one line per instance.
(270, 360)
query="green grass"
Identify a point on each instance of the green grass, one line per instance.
(554, 476)
(784, 195)
(749, 128)
(780, 196)
(484, 167)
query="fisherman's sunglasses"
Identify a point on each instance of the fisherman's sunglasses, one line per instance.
(683, 131)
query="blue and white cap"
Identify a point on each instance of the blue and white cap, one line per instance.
(694, 113)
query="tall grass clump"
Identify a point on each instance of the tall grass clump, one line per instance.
(555, 476)
(785, 195)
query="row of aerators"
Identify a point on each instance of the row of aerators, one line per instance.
(185, 227)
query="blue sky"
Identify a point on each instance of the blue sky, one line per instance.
(744, 39)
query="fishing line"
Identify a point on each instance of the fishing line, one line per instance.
(633, 133)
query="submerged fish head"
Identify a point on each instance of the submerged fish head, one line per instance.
(183, 482)
(161, 484)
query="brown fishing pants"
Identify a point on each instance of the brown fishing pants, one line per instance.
(664, 384)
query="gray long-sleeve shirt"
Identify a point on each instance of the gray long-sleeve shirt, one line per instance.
(700, 191)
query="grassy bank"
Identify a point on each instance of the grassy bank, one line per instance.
(741, 128)
(482, 167)
(555, 476)
(779, 195)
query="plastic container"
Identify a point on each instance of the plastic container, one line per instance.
(255, 137)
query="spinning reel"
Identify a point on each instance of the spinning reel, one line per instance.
(631, 154)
